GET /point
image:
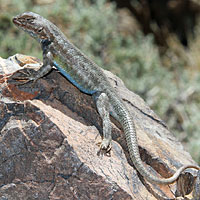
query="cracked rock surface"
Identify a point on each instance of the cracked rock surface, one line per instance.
(48, 142)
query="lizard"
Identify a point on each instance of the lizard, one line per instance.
(89, 78)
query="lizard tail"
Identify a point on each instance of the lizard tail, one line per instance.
(131, 139)
(130, 133)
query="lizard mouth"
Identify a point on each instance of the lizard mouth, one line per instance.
(19, 22)
(15, 21)
(22, 25)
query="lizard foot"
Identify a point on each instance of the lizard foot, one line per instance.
(25, 78)
(105, 148)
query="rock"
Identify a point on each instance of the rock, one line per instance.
(49, 136)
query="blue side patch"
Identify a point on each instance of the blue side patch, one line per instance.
(64, 73)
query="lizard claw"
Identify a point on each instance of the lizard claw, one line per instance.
(25, 79)
(22, 83)
(105, 148)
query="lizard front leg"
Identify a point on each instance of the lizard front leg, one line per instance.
(46, 67)
(47, 61)
(103, 107)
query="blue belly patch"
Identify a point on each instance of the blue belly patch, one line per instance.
(65, 74)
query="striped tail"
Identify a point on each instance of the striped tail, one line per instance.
(131, 138)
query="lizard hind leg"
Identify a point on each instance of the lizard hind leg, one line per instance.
(103, 107)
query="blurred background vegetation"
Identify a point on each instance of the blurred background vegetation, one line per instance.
(152, 45)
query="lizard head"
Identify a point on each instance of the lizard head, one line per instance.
(34, 24)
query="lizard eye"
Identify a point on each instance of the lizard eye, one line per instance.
(29, 19)
(40, 30)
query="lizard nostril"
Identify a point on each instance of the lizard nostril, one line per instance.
(15, 20)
